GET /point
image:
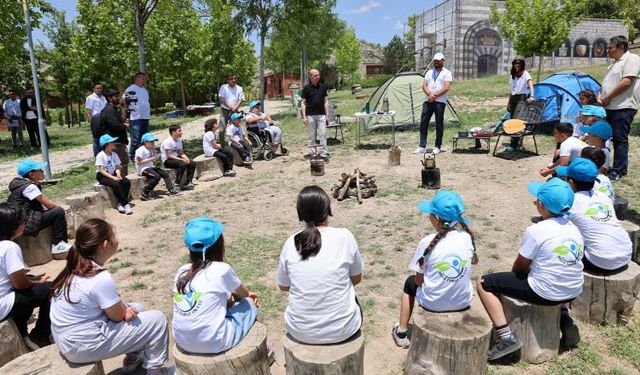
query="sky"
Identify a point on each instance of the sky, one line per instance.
(375, 21)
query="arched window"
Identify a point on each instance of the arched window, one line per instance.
(487, 65)
(581, 48)
(564, 50)
(599, 48)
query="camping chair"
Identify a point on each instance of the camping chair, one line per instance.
(530, 113)
(333, 121)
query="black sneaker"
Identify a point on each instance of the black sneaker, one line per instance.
(174, 193)
(145, 197)
(569, 330)
(189, 186)
(614, 176)
(505, 346)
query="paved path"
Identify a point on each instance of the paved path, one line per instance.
(67, 159)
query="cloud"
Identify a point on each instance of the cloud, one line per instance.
(386, 18)
(371, 5)
(399, 26)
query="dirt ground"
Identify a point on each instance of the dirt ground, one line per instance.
(258, 210)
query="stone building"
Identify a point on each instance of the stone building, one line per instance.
(473, 48)
(371, 59)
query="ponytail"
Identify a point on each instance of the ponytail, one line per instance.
(199, 261)
(314, 207)
(440, 235)
(308, 242)
(89, 237)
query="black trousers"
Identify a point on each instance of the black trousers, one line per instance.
(225, 155)
(26, 301)
(34, 133)
(429, 109)
(181, 167)
(153, 177)
(120, 188)
(243, 148)
(57, 219)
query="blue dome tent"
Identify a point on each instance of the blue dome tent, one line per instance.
(560, 92)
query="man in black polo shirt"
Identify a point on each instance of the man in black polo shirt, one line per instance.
(111, 123)
(314, 111)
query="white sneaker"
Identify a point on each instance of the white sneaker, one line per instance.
(419, 150)
(128, 210)
(120, 208)
(60, 247)
(436, 151)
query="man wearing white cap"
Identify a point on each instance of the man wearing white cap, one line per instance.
(436, 85)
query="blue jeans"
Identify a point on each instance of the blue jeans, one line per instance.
(620, 120)
(428, 109)
(137, 129)
(242, 315)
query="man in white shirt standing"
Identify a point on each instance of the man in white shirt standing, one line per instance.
(13, 114)
(231, 97)
(620, 96)
(140, 111)
(95, 102)
(436, 85)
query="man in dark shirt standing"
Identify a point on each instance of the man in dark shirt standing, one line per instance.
(314, 113)
(111, 121)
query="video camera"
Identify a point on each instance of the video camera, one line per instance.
(131, 102)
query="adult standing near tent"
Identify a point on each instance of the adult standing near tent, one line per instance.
(140, 109)
(520, 80)
(620, 95)
(436, 85)
(315, 107)
(231, 97)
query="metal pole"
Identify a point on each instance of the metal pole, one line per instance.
(36, 89)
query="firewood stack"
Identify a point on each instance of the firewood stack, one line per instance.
(356, 184)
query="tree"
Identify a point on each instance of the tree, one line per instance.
(348, 53)
(142, 9)
(258, 15)
(537, 27)
(395, 55)
(410, 41)
(626, 10)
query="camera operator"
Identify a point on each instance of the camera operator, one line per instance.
(111, 123)
(139, 111)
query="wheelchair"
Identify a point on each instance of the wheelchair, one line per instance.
(260, 143)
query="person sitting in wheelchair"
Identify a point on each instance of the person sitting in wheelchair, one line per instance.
(258, 121)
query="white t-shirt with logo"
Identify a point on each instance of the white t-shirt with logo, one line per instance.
(322, 300)
(234, 132)
(555, 248)
(602, 185)
(606, 243)
(95, 103)
(436, 81)
(447, 272)
(262, 124)
(10, 262)
(233, 95)
(110, 162)
(173, 146)
(572, 147)
(199, 323)
(141, 110)
(90, 297)
(206, 143)
(143, 153)
(519, 84)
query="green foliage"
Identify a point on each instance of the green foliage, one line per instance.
(374, 81)
(626, 10)
(47, 117)
(60, 118)
(395, 55)
(348, 53)
(410, 40)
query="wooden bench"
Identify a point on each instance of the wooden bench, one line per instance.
(449, 343)
(537, 326)
(250, 357)
(208, 168)
(11, 344)
(339, 359)
(608, 298)
(48, 361)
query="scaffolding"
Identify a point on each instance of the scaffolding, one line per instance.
(434, 28)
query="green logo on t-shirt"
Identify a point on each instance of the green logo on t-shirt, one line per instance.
(598, 211)
(452, 269)
(569, 253)
(188, 302)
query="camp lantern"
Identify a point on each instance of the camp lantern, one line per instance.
(430, 173)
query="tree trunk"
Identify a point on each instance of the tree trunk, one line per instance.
(79, 114)
(539, 67)
(183, 97)
(345, 358)
(140, 35)
(305, 69)
(263, 36)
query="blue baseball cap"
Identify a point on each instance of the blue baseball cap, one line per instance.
(556, 195)
(236, 116)
(447, 205)
(27, 165)
(149, 137)
(201, 233)
(580, 169)
(105, 139)
(593, 110)
(600, 129)
(254, 104)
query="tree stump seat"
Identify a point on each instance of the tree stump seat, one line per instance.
(537, 326)
(345, 358)
(449, 342)
(632, 229)
(48, 361)
(106, 194)
(208, 168)
(36, 250)
(137, 185)
(237, 158)
(249, 357)
(11, 344)
(608, 298)
(83, 207)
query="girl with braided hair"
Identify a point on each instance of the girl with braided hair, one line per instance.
(442, 264)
